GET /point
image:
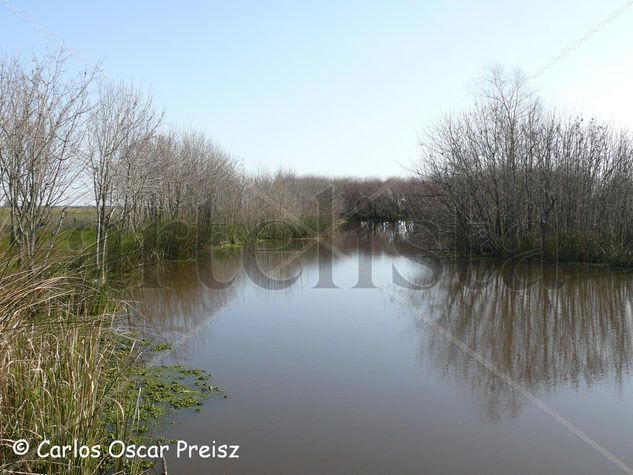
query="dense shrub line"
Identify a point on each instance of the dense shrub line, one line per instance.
(512, 176)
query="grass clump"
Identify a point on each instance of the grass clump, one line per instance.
(66, 375)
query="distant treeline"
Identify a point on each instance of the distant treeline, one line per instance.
(510, 176)
(66, 138)
(376, 199)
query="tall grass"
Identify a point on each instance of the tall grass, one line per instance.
(62, 368)
(65, 374)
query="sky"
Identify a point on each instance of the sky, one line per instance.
(335, 87)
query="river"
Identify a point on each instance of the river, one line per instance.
(357, 356)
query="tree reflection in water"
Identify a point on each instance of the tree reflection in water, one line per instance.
(544, 326)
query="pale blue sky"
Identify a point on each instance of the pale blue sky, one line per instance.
(335, 87)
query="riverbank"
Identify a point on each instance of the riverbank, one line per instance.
(572, 249)
(68, 373)
(71, 369)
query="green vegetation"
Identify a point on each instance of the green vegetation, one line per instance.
(67, 375)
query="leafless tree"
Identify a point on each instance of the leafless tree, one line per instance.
(42, 116)
(120, 132)
(509, 176)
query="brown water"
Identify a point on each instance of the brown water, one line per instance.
(474, 368)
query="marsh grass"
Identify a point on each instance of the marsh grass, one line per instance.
(61, 368)
(66, 374)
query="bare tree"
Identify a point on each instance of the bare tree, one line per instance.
(120, 131)
(42, 118)
(509, 176)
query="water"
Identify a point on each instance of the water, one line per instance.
(432, 373)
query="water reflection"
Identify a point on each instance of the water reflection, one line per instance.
(541, 331)
(183, 295)
(544, 326)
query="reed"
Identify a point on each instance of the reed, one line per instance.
(62, 367)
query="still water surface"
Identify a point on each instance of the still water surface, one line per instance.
(346, 378)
